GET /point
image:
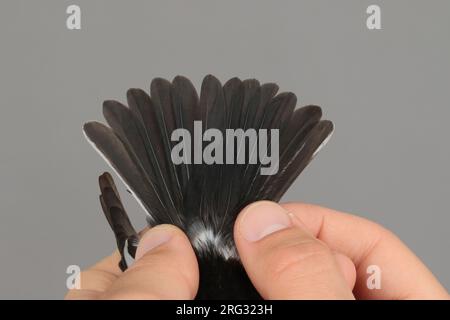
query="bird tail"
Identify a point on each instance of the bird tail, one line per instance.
(203, 196)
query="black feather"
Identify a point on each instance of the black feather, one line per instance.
(117, 218)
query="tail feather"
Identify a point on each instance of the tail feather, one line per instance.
(117, 218)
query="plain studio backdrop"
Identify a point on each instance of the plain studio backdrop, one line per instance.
(386, 90)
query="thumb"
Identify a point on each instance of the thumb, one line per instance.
(165, 268)
(285, 261)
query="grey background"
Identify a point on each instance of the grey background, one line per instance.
(387, 92)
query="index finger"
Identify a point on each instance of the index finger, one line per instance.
(403, 275)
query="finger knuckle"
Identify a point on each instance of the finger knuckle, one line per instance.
(298, 257)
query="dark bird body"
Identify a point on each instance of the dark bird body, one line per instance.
(201, 199)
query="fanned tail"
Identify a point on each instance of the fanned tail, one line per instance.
(203, 198)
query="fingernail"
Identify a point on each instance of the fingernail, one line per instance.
(152, 239)
(262, 219)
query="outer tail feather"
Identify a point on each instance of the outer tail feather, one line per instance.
(118, 219)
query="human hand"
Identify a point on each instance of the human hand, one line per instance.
(292, 251)
(165, 268)
(320, 253)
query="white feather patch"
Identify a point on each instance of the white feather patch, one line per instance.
(324, 142)
(205, 240)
